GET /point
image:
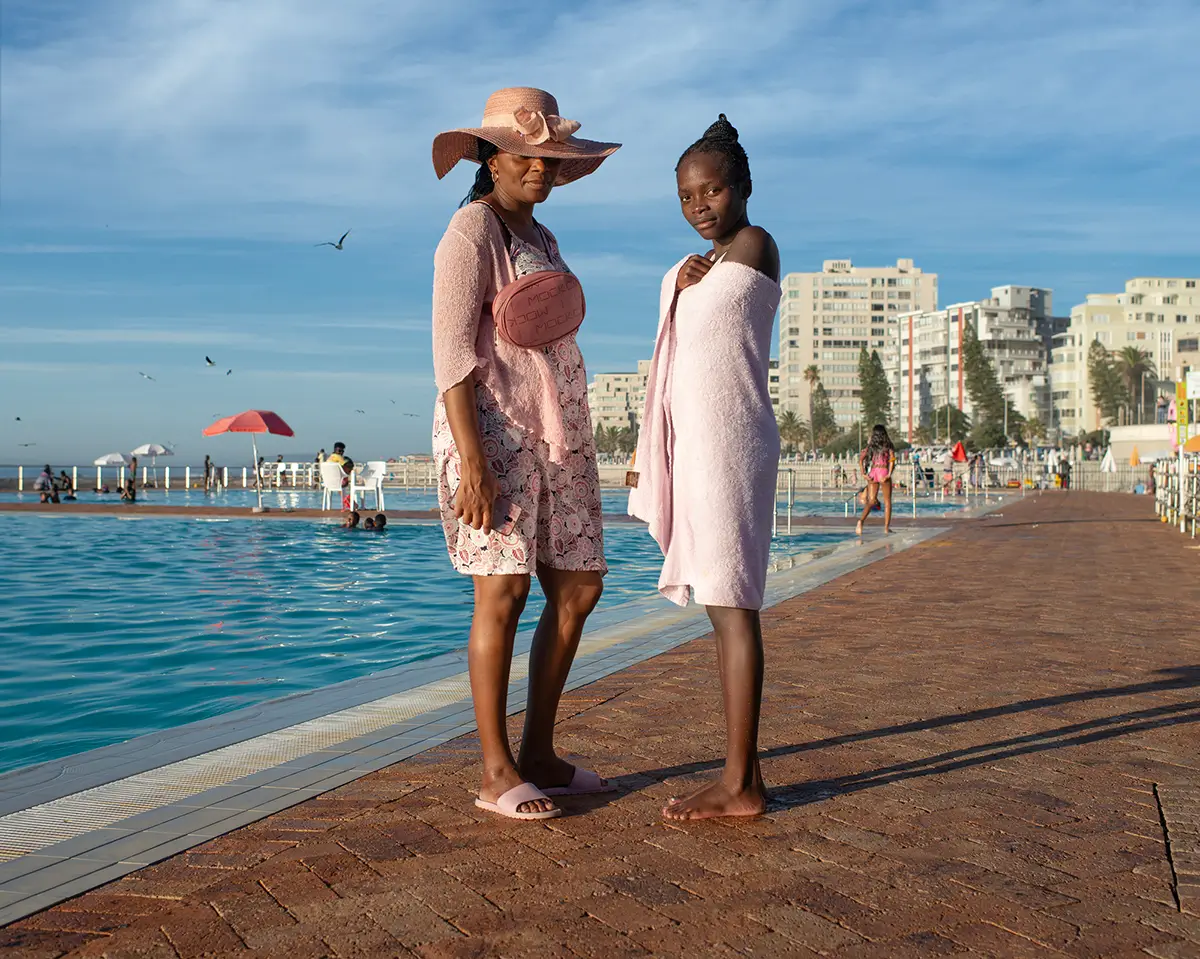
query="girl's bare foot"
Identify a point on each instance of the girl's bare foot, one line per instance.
(718, 799)
(498, 782)
(858, 529)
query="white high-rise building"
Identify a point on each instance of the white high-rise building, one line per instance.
(617, 399)
(826, 317)
(1160, 315)
(1016, 329)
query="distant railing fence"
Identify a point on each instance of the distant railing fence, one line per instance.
(1177, 492)
(417, 474)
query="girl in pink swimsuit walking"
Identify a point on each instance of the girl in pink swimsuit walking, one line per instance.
(877, 463)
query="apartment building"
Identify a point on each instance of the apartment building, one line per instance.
(617, 399)
(1160, 315)
(826, 317)
(1016, 328)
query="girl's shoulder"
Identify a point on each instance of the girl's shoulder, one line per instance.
(756, 248)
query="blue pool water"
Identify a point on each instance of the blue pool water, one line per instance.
(115, 627)
(614, 501)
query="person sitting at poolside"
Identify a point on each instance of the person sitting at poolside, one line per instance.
(338, 455)
(347, 465)
(129, 492)
(380, 522)
(369, 523)
(44, 484)
(351, 521)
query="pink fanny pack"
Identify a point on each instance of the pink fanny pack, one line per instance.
(540, 308)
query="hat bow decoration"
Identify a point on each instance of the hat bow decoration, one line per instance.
(537, 127)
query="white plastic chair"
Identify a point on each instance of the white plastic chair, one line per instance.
(371, 480)
(331, 483)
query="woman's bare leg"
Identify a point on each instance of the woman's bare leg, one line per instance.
(499, 601)
(886, 488)
(739, 791)
(570, 598)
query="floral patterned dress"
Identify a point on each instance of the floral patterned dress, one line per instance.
(560, 520)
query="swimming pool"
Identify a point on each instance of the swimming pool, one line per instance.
(118, 626)
(614, 501)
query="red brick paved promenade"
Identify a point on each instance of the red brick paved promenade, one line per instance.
(986, 745)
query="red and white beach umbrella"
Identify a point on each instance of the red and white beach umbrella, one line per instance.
(252, 421)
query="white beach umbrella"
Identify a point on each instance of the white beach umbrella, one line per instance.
(154, 451)
(112, 459)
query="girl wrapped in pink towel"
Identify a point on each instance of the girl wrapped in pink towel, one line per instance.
(708, 452)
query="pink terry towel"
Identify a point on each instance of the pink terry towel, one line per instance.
(708, 452)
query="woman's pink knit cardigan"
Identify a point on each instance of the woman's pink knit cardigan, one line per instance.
(470, 267)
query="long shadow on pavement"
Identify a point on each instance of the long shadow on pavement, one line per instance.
(1075, 734)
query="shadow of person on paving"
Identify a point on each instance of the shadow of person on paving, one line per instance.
(1074, 734)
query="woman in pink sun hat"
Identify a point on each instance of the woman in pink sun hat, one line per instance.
(518, 486)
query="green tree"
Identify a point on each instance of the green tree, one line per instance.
(987, 396)
(824, 424)
(875, 391)
(960, 424)
(1033, 431)
(1108, 390)
(791, 430)
(600, 439)
(625, 441)
(1136, 368)
(812, 376)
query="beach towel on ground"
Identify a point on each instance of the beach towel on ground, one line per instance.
(708, 452)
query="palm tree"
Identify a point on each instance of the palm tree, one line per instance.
(1135, 365)
(1034, 430)
(791, 430)
(812, 376)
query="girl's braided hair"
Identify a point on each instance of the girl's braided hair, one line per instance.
(721, 141)
(483, 184)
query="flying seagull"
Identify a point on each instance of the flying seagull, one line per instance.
(227, 372)
(413, 415)
(18, 419)
(147, 376)
(208, 362)
(338, 244)
(393, 402)
(360, 411)
(27, 444)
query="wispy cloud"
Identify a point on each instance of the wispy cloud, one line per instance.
(255, 118)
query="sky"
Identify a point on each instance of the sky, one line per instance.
(166, 167)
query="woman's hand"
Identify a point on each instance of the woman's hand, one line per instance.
(695, 268)
(476, 496)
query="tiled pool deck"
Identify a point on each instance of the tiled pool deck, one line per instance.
(985, 744)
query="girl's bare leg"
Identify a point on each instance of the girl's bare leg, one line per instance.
(886, 488)
(739, 791)
(499, 601)
(872, 492)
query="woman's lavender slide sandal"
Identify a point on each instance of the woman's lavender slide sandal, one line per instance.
(507, 804)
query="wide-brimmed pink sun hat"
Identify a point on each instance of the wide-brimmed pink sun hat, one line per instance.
(525, 121)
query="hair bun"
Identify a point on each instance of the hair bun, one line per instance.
(722, 130)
